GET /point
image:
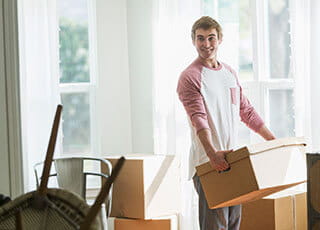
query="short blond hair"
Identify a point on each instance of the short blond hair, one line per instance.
(206, 23)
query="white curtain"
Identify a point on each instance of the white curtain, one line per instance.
(314, 72)
(300, 65)
(38, 42)
(173, 52)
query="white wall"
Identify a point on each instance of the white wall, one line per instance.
(113, 94)
(315, 73)
(4, 150)
(141, 74)
(124, 98)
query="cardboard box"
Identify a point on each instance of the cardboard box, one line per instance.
(279, 213)
(147, 187)
(256, 171)
(165, 223)
(301, 213)
(313, 165)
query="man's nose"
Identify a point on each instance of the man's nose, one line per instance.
(206, 43)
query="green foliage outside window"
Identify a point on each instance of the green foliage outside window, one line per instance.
(74, 52)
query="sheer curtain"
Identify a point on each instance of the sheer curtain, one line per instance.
(174, 51)
(300, 65)
(38, 40)
(314, 73)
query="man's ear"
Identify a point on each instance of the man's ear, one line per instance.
(220, 40)
(193, 42)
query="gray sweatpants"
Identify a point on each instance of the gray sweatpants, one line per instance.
(227, 218)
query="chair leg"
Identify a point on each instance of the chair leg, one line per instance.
(102, 196)
(103, 217)
(19, 220)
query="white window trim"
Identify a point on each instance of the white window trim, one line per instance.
(259, 35)
(262, 82)
(93, 62)
(298, 77)
(11, 153)
(88, 87)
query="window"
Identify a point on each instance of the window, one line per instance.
(77, 79)
(258, 44)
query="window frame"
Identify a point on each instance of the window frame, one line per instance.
(90, 87)
(261, 81)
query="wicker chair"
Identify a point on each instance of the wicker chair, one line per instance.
(63, 210)
(55, 208)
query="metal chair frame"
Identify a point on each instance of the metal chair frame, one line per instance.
(85, 174)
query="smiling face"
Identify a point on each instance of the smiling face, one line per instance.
(207, 43)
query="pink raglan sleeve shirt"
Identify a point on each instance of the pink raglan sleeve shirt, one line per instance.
(189, 91)
(189, 94)
(248, 114)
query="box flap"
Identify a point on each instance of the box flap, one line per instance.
(255, 195)
(277, 143)
(231, 158)
(284, 193)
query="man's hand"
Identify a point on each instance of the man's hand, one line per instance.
(266, 133)
(218, 160)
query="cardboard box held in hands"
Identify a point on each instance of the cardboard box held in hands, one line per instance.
(256, 171)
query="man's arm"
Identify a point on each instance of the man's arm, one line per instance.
(217, 158)
(248, 114)
(266, 133)
(189, 94)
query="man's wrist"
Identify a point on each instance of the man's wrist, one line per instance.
(211, 152)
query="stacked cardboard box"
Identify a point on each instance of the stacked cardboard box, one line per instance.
(256, 171)
(164, 223)
(313, 164)
(287, 212)
(146, 189)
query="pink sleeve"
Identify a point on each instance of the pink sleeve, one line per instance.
(247, 113)
(189, 94)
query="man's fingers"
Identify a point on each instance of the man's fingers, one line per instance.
(218, 167)
(227, 151)
(226, 170)
(220, 164)
(223, 166)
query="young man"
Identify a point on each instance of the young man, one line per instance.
(213, 99)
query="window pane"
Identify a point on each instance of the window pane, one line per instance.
(279, 38)
(73, 36)
(245, 44)
(76, 123)
(235, 17)
(228, 11)
(281, 111)
(209, 8)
